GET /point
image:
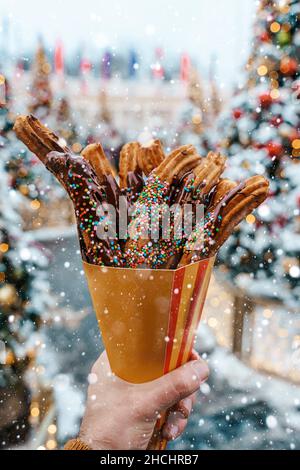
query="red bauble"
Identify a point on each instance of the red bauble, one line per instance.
(294, 135)
(265, 100)
(288, 66)
(276, 121)
(237, 113)
(281, 221)
(275, 149)
(264, 37)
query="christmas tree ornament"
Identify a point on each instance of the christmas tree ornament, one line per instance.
(289, 66)
(283, 38)
(8, 295)
(265, 37)
(237, 113)
(275, 149)
(265, 100)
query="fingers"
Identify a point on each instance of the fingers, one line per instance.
(101, 365)
(174, 427)
(194, 355)
(178, 418)
(177, 385)
(184, 407)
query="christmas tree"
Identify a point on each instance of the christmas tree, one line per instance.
(193, 112)
(215, 100)
(23, 173)
(64, 124)
(23, 301)
(105, 132)
(36, 191)
(261, 134)
(195, 117)
(41, 93)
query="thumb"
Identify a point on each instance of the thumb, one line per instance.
(176, 385)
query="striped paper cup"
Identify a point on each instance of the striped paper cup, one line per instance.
(148, 318)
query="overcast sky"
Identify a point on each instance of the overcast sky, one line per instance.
(201, 27)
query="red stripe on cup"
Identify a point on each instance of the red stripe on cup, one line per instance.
(197, 291)
(203, 293)
(175, 303)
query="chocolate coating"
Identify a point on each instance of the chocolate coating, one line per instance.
(80, 181)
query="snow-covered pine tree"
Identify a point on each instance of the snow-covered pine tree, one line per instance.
(41, 93)
(192, 117)
(64, 122)
(34, 190)
(23, 174)
(260, 134)
(198, 114)
(24, 299)
(106, 132)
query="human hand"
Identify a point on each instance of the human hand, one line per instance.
(122, 415)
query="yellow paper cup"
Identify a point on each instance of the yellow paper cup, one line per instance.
(148, 318)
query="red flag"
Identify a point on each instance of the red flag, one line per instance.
(157, 68)
(185, 67)
(85, 66)
(59, 58)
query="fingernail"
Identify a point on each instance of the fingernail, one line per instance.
(174, 431)
(185, 407)
(201, 370)
(170, 432)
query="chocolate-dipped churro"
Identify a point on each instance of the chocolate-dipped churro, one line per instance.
(141, 249)
(225, 215)
(88, 197)
(37, 137)
(81, 182)
(150, 156)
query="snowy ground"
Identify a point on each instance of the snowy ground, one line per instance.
(241, 409)
(237, 409)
